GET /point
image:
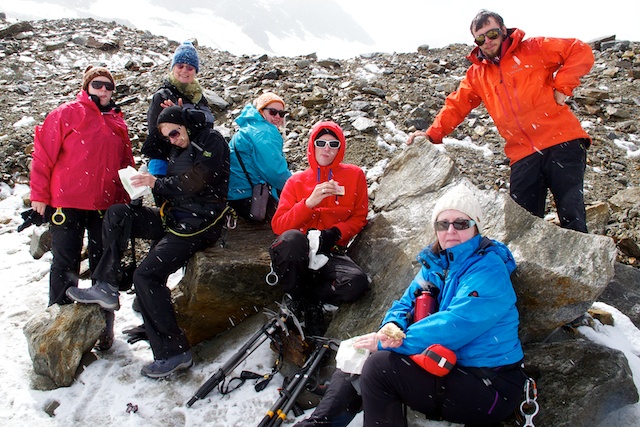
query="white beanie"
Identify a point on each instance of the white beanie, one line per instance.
(460, 198)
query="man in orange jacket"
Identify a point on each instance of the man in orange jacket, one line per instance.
(524, 85)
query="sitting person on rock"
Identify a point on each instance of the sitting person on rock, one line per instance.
(475, 319)
(321, 208)
(194, 190)
(256, 155)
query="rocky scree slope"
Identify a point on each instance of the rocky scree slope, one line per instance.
(377, 98)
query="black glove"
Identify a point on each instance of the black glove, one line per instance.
(136, 334)
(31, 217)
(328, 239)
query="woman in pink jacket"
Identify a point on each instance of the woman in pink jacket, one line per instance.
(78, 151)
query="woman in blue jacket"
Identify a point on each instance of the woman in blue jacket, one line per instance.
(256, 154)
(476, 318)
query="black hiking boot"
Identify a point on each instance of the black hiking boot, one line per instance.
(105, 340)
(314, 321)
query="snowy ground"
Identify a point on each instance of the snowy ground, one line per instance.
(101, 394)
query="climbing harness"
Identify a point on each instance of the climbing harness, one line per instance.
(163, 216)
(529, 407)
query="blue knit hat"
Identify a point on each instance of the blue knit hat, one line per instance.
(186, 54)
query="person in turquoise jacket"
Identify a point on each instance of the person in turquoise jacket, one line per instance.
(474, 321)
(258, 146)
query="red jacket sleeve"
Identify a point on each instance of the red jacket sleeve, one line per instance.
(348, 213)
(575, 59)
(456, 107)
(47, 141)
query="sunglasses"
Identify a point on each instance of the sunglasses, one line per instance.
(458, 224)
(321, 143)
(492, 34)
(173, 134)
(97, 84)
(275, 112)
(187, 66)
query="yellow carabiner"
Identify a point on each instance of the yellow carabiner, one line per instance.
(58, 214)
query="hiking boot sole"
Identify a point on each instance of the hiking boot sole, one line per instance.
(155, 375)
(71, 293)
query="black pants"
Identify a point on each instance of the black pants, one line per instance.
(339, 405)
(150, 277)
(470, 396)
(561, 170)
(66, 247)
(340, 280)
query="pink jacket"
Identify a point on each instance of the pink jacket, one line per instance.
(78, 151)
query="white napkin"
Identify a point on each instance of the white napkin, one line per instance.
(316, 260)
(134, 192)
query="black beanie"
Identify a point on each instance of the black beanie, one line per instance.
(171, 114)
(325, 131)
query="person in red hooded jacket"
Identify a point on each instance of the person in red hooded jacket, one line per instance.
(78, 151)
(524, 85)
(320, 210)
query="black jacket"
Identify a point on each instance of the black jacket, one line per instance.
(156, 147)
(197, 177)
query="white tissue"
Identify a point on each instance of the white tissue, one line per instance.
(134, 192)
(316, 260)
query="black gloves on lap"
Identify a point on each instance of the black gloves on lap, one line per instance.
(328, 239)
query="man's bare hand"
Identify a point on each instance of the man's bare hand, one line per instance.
(416, 134)
(560, 97)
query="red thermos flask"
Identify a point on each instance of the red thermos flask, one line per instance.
(425, 305)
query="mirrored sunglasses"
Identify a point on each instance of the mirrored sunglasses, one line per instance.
(492, 34)
(458, 224)
(275, 112)
(187, 66)
(98, 84)
(173, 134)
(320, 143)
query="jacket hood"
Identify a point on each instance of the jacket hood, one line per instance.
(515, 34)
(476, 245)
(250, 114)
(311, 154)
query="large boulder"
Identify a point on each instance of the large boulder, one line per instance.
(224, 285)
(579, 382)
(59, 336)
(560, 272)
(623, 292)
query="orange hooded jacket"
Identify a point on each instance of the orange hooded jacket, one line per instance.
(348, 213)
(518, 93)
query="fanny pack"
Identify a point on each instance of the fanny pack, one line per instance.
(436, 359)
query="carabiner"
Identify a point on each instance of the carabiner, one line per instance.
(530, 403)
(271, 278)
(58, 214)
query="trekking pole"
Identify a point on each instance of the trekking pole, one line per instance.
(278, 412)
(265, 333)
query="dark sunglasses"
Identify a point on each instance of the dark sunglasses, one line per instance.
(492, 34)
(458, 224)
(187, 66)
(320, 143)
(275, 112)
(97, 84)
(173, 134)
